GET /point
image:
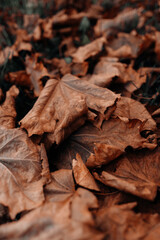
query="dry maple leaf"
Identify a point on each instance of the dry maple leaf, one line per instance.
(65, 211)
(120, 222)
(135, 173)
(127, 109)
(61, 187)
(100, 146)
(89, 50)
(21, 175)
(63, 105)
(7, 109)
(82, 175)
(53, 221)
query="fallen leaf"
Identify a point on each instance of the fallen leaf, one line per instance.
(66, 211)
(21, 172)
(153, 233)
(61, 19)
(135, 173)
(133, 79)
(100, 146)
(82, 175)
(61, 187)
(128, 46)
(127, 109)
(79, 69)
(120, 222)
(50, 221)
(105, 71)
(36, 71)
(68, 44)
(20, 78)
(102, 178)
(128, 17)
(22, 42)
(58, 65)
(89, 50)
(63, 105)
(109, 68)
(7, 109)
(82, 201)
(156, 112)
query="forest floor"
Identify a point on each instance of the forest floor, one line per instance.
(79, 120)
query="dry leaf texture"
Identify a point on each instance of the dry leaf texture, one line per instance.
(100, 146)
(134, 173)
(7, 109)
(21, 180)
(82, 175)
(63, 105)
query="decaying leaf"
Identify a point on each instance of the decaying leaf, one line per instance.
(36, 71)
(82, 201)
(102, 178)
(79, 69)
(53, 113)
(52, 221)
(62, 189)
(100, 146)
(133, 79)
(20, 78)
(58, 65)
(105, 71)
(63, 105)
(82, 175)
(127, 109)
(128, 46)
(61, 186)
(120, 222)
(65, 217)
(21, 180)
(89, 50)
(128, 17)
(7, 109)
(109, 69)
(22, 43)
(135, 173)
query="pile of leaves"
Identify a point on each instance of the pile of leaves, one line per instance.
(79, 120)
